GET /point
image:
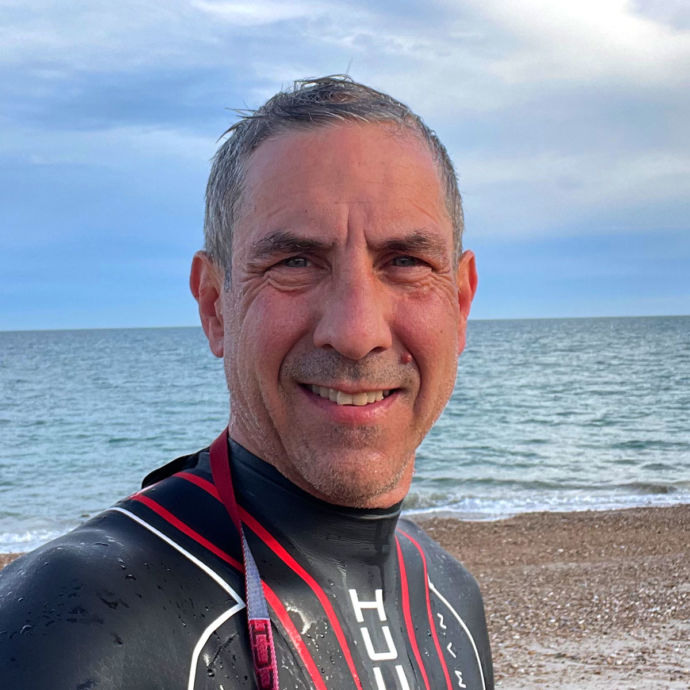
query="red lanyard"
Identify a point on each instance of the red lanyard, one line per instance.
(260, 634)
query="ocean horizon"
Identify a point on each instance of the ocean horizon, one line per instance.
(547, 414)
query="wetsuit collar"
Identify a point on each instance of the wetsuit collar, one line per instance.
(311, 524)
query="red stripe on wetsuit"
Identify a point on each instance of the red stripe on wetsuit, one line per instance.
(407, 615)
(272, 543)
(272, 598)
(430, 617)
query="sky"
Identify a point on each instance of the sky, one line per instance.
(568, 124)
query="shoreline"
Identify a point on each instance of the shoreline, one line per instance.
(424, 515)
(587, 599)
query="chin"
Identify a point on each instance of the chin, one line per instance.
(371, 482)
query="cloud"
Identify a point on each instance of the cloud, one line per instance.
(109, 148)
(258, 13)
(590, 39)
(577, 193)
(479, 54)
(673, 13)
(587, 100)
(98, 35)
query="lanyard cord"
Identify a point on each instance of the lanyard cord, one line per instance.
(260, 634)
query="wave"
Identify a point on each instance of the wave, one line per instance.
(27, 540)
(497, 508)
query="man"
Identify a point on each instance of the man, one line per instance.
(334, 286)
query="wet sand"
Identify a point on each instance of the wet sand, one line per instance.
(581, 600)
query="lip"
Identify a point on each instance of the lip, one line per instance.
(351, 414)
(346, 387)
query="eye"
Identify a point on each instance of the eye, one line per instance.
(295, 262)
(407, 261)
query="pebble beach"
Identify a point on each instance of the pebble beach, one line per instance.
(597, 599)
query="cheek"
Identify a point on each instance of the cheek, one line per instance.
(437, 357)
(431, 337)
(430, 327)
(267, 331)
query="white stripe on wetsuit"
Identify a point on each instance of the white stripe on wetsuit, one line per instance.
(464, 627)
(225, 616)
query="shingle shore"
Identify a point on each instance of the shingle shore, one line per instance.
(582, 600)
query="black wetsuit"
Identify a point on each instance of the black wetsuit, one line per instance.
(149, 594)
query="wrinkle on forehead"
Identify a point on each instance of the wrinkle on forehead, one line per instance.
(294, 143)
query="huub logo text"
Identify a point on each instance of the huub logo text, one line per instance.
(388, 652)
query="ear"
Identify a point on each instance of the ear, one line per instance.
(206, 284)
(467, 287)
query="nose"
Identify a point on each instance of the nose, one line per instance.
(355, 315)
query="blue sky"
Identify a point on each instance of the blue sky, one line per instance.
(569, 125)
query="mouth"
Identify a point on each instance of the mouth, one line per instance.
(358, 399)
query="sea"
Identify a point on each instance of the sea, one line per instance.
(553, 414)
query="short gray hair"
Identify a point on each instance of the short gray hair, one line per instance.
(310, 103)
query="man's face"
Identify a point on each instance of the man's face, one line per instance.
(345, 311)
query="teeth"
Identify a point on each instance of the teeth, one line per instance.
(360, 399)
(341, 398)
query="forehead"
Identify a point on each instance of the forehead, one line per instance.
(383, 172)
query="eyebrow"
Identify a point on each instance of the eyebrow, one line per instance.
(284, 242)
(416, 241)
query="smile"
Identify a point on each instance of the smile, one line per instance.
(341, 398)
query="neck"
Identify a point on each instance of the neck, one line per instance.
(308, 522)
